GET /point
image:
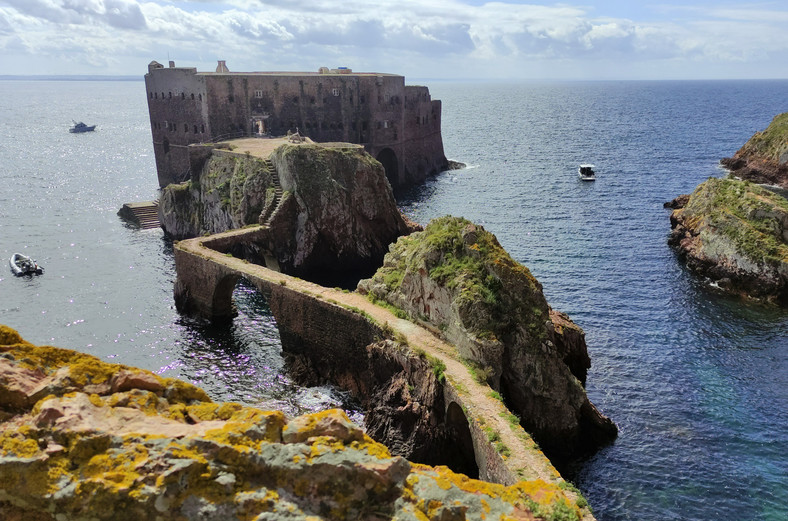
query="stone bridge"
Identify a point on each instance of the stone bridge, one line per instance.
(343, 324)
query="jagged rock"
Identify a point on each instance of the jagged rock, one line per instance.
(110, 442)
(231, 191)
(456, 277)
(764, 158)
(735, 233)
(337, 212)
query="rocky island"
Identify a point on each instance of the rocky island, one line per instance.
(81, 439)
(764, 158)
(455, 277)
(734, 233)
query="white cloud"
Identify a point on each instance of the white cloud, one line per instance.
(437, 38)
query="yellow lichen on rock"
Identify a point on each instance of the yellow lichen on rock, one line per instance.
(168, 454)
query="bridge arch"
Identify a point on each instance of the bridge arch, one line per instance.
(463, 458)
(222, 300)
(388, 158)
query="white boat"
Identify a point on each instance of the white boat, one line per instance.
(24, 265)
(586, 173)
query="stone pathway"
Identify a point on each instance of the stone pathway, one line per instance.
(525, 460)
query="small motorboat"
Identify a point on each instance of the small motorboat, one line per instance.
(586, 173)
(24, 265)
(81, 127)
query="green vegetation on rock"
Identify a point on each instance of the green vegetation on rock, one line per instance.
(753, 218)
(772, 143)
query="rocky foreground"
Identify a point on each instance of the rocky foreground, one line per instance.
(81, 439)
(455, 277)
(734, 233)
(764, 158)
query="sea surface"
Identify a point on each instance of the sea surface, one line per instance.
(696, 381)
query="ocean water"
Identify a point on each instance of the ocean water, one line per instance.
(697, 382)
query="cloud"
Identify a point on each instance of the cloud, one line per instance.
(122, 14)
(443, 37)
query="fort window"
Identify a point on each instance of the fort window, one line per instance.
(192, 95)
(361, 99)
(166, 124)
(195, 129)
(364, 125)
(162, 95)
(151, 95)
(183, 95)
(418, 120)
(335, 92)
(231, 98)
(155, 95)
(258, 94)
(202, 129)
(170, 97)
(353, 125)
(351, 98)
(200, 96)
(186, 127)
(312, 100)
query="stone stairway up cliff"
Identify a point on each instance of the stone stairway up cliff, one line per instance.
(268, 214)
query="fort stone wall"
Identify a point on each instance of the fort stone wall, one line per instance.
(398, 125)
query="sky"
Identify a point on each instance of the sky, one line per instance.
(425, 39)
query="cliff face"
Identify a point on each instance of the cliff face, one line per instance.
(336, 214)
(231, 191)
(764, 158)
(455, 276)
(83, 439)
(338, 210)
(735, 232)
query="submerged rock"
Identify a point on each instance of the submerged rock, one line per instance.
(764, 158)
(736, 234)
(82, 439)
(456, 277)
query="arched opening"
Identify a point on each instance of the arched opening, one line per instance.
(388, 159)
(166, 146)
(460, 457)
(222, 307)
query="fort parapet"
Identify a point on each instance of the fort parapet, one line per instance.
(399, 125)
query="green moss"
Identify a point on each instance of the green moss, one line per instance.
(479, 273)
(747, 214)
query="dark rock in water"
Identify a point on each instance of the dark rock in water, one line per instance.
(457, 278)
(764, 158)
(734, 233)
(82, 439)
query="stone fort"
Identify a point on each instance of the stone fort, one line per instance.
(399, 125)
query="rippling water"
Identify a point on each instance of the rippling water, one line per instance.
(697, 382)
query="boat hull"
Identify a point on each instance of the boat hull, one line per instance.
(23, 265)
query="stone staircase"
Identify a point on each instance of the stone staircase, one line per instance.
(265, 218)
(146, 214)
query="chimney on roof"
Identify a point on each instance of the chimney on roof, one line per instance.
(222, 67)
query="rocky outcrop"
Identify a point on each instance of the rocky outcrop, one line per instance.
(82, 439)
(336, 212)
(734, 233)
(231, 191)
(457, 278)
(764, 158)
